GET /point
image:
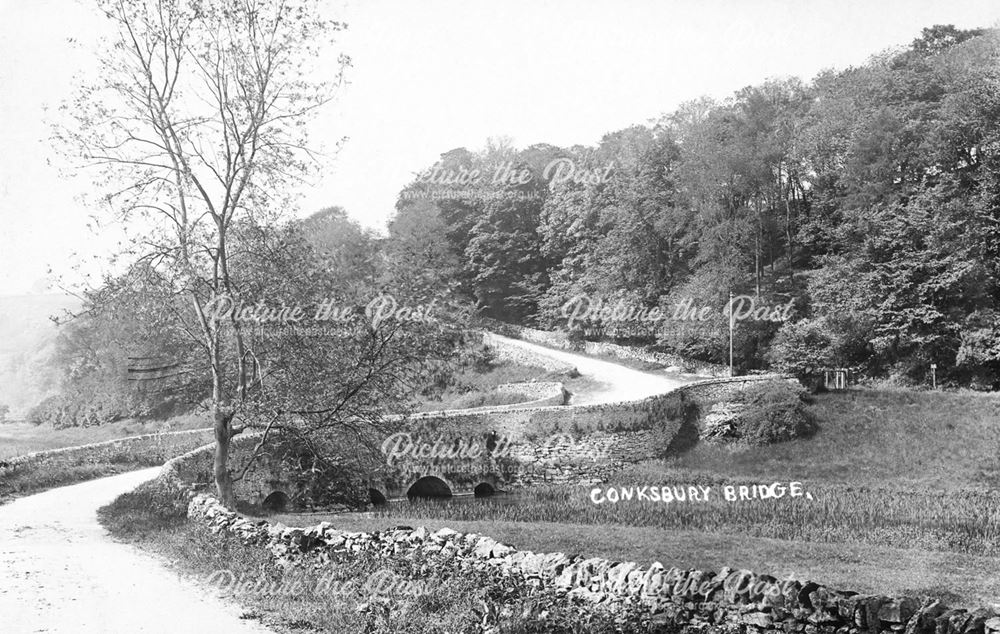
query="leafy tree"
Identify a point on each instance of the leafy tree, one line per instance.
(803, 348)
(872, 194)
(198, 129)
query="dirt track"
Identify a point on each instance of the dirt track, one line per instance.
(619, 383)
(61, 572)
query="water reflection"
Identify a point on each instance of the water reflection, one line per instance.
(497, 498)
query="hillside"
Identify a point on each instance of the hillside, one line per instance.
(27, 342)
(879, 438)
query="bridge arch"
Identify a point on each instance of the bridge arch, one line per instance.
(276, 502)
(429, 487)
(484, 490)
(376, 497)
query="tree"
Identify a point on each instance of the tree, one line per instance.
(803, 348)
(504, 257)
(417, 253)
(197, 126)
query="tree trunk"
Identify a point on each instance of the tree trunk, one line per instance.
(788, 228)
(756, 251)
(223, 436)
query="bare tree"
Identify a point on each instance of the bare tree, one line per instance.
(197, 126)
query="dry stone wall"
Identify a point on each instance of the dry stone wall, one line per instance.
(522, 356)
(148, 449)
(727, 600)
(147, 445)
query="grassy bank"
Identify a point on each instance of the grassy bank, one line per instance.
(38, 472)
(944, 441)
(18, 439)
(473, 384)
(957, 522)
(350, 595)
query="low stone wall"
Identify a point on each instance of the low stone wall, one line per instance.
(724, 601)
(37, 471)
(702, 368)
(151, 447)
(711, 391)
(539, 393)
(519, 355)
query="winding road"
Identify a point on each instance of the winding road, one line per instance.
(62, 572)
(618, 383)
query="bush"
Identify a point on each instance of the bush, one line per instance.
(775, 411)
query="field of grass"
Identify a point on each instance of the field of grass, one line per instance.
(941, 441)
(966, 523)
(45, 471)
(903, 488)
(17, 439)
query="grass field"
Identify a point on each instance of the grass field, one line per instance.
(472, 387)
(17, 439)
(904, 500)
(943, 441)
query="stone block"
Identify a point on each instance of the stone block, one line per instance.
(897, 610)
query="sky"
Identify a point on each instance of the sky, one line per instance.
(432, 75)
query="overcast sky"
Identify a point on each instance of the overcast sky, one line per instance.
(430, 76)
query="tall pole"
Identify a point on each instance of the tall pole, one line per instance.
(730, 333)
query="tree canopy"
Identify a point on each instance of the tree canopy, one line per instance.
(869, 196)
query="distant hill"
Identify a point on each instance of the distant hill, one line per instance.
(27, 342)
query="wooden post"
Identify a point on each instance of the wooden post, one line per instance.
(730, 333)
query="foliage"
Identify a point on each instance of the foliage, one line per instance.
(149, 508)
(803, 348)
(871, 195)
(198, 132)
(774, 411)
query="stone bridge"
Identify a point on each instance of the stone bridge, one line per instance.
(482, 451)
(488, 451)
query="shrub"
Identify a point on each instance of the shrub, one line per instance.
(775, 411)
